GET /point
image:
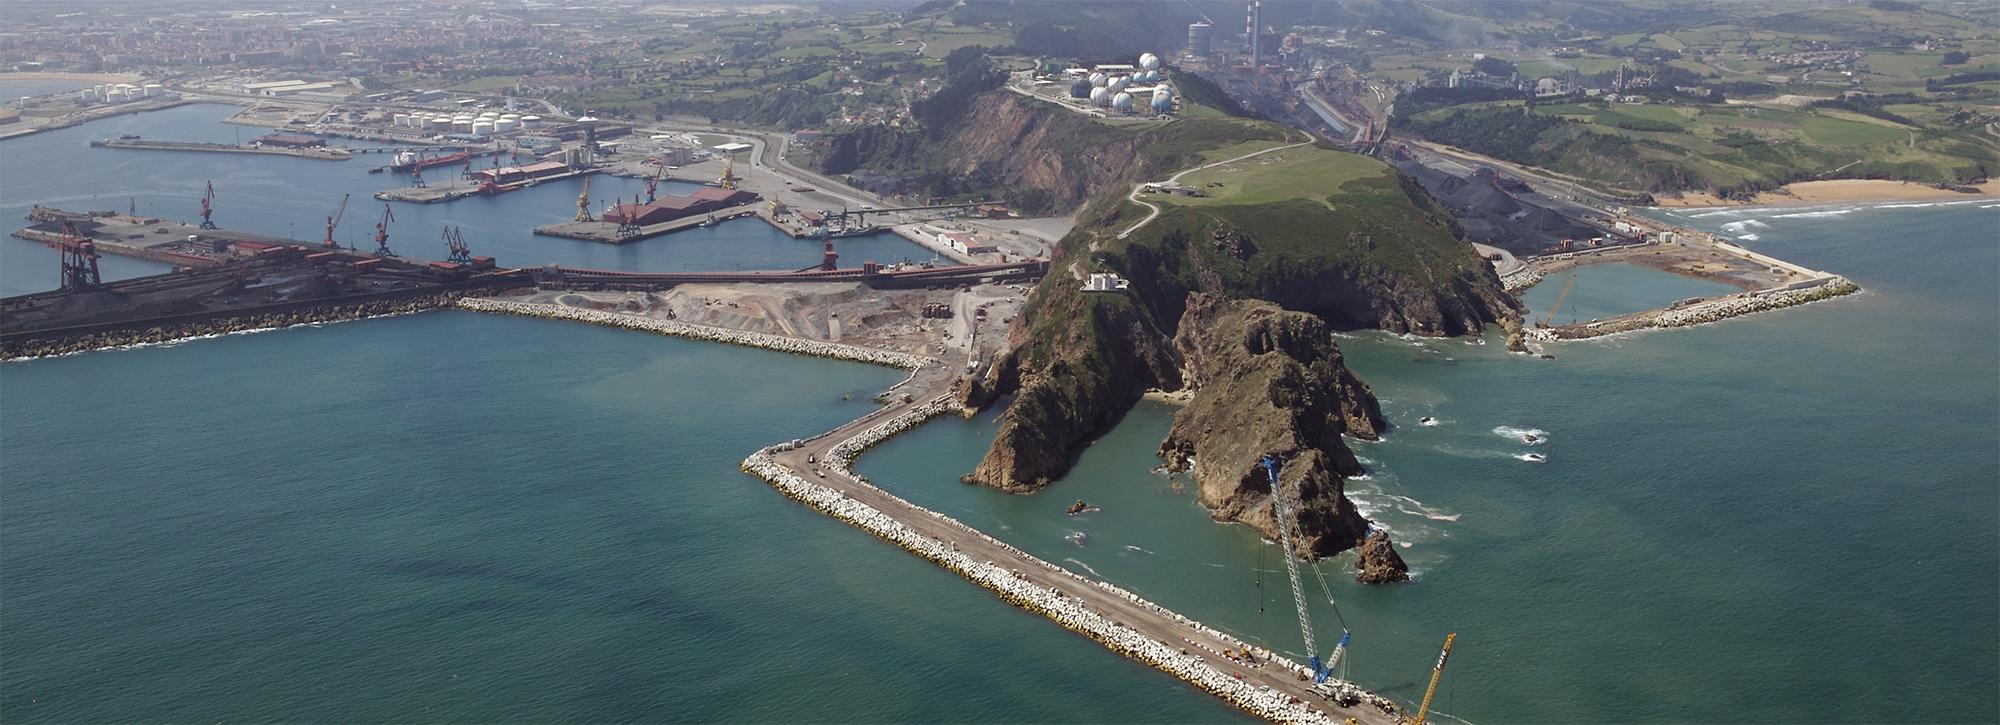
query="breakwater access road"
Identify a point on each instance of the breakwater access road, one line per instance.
(815, 472)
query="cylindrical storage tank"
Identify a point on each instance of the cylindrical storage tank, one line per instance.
(461, 125)
(1118, 84)
(1148, 61)
(1080, 89)
(489, 115)
(504, 124)
(482, 128)
(511, 116)
(1099, 96)
(85, 94)
(1163, 99)
(1098, 79)
(1122, 102)
(531, 121)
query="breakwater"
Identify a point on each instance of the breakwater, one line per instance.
(225, 325)
(1048, 601)
(698, 332)
(321, 153)
(1704, 311)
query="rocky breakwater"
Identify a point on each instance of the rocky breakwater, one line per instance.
(699, 332)
(1267, 381)
(63, 345)
(1071, 610)
(1706, 311)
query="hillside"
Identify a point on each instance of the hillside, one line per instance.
(1731, 150)
(1324, 239)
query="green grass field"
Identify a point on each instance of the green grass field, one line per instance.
(1304, 172)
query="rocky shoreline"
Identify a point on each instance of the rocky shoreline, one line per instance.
(699, 332)
(246, 323)
(1702, 313)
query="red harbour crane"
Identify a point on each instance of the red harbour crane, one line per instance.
(382, 232)
(653, 184)
(334, 221)
(79, 260)
(208, 206)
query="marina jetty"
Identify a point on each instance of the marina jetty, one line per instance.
(307, 151)
(815, 471)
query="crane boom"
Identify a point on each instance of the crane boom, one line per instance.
(1437, 673)
(334, 221)
(1560, 296)
(1283, 514)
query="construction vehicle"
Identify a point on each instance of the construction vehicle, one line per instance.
(1437, 673)
(334, 221)
(1281, 510)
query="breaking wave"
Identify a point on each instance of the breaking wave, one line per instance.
(1814, 214)
(1523, 434)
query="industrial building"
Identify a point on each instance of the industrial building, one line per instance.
(669, 208)
(516, 174)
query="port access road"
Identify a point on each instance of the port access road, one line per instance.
(809, 461)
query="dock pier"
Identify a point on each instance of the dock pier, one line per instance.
(320, 153)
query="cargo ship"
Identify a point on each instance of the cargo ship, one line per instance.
(408, 161)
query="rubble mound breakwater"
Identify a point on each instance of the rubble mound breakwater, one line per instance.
(1703, 312)
(699, 332)
(222, 325)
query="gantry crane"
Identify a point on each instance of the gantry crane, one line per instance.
(454, 240)
(1285, 521)
(1437, 673)
(583, 203)
(382, 232)
(334, 221)
(79, 260)
(208, 206)
(628, 221)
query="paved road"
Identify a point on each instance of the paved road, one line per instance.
(1154, 211)
(808, 460)
(1506, 265)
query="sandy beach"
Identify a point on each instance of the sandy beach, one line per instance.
(1835, 191)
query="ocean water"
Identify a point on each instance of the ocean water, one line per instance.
(538, 522)
(1616, 288)
(292, 198)
(1788, 517)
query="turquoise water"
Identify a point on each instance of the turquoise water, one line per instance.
(1617, 288)
(1787, 517)
(292, 197)
(544, 523)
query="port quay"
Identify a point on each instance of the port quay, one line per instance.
(815, 472)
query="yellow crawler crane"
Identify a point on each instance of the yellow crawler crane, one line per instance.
(1437, 673)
